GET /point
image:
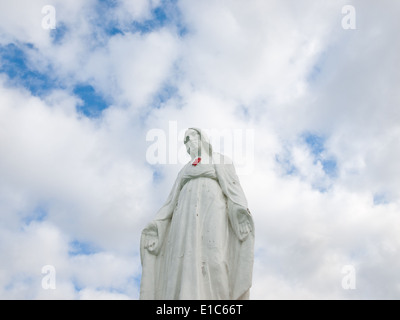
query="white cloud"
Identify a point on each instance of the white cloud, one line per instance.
(253, 52)
(91, 294)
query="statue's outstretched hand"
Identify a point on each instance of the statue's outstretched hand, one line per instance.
(150, 242)
(151, 239)
(244, 228)
(244, 224)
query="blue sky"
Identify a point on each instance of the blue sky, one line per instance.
(23, 72)
(16, 66)
(77, 102)
(317, 147)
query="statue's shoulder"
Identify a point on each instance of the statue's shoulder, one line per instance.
(182, 170)
(219, 158)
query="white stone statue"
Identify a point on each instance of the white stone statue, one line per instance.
(201, 243)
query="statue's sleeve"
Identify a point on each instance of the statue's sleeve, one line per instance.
(159, 225)
(241, 244)
(238, 212)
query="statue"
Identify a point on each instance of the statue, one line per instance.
(201, 243)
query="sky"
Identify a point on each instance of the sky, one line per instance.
(95, 96)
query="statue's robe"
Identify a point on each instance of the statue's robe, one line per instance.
(201, 251)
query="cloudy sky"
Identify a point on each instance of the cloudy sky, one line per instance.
(95, 97)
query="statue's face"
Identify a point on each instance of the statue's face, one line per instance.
(192, 141)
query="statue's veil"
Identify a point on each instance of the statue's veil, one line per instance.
(205, 141)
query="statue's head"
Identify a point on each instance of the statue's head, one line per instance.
(196, 142)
